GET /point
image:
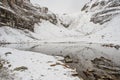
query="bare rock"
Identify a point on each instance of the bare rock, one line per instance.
(68, 59)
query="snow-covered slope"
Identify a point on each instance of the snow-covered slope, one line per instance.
(42, 23)
(98, 21)
(46, 30)
(11, 35)
(103, 10)
(109, 34)
(21, 65)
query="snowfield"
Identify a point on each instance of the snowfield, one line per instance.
(48, 31)
(23, 65)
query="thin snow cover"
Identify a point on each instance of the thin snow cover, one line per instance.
(34, 66)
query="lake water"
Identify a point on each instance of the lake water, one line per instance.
(93, 59)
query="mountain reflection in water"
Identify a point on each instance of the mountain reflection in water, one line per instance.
(92, 61)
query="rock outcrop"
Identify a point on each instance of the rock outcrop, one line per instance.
(103, 10)
(21, 14)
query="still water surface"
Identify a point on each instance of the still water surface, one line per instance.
(81, 53)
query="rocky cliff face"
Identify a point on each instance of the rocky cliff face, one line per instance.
(103, 10)
(21, 14)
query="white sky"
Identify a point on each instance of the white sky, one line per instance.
(62, 6)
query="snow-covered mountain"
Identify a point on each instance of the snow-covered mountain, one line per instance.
(103, 10)
(98, 21)
(105, 13)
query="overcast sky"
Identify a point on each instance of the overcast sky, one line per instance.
(62, 6)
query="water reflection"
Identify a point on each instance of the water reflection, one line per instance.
(81, 53)
(83, 50)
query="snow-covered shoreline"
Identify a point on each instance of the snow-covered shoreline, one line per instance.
(25, 65)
